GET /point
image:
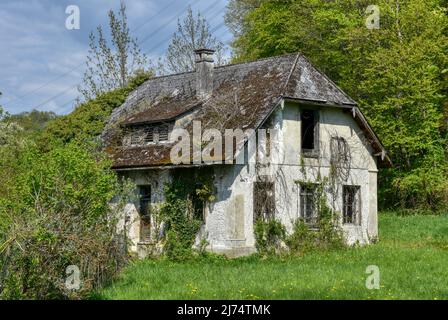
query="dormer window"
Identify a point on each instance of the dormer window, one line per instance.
(148, 134)
(136, 137)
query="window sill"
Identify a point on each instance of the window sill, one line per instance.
(310, 153)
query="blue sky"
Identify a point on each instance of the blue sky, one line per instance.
(42, 62)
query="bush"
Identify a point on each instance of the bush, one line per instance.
(57, 214)
(269, 236)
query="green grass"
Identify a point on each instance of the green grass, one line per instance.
(412, 256)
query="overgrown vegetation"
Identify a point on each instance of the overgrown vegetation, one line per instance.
(58, 213)
(88, 119)
(272, 238)
(182, 212)
(411, 255)
(398, 74)
(55, 202)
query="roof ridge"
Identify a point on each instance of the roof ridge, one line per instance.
(168, 75)
(283, 92)
(221, 67)
(256, 60)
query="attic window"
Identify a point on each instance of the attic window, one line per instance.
(148, 134)
(136, 137)
(163, 132)
(309, 133)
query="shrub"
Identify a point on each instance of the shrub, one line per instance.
(59, 214)
(269, 236)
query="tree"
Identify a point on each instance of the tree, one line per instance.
(111, 66)
(192, 33)
(87, 121)
(34, 121)
(236, 13)
(397, 73)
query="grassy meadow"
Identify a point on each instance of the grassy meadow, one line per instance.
(412, 256)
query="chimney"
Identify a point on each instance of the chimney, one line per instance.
(204, 73)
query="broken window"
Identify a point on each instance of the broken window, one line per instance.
(308, 207)
(136, 137)
(145, 213)
(309, 136)
(351, 204)
(264, 200)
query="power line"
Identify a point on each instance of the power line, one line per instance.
(145, 39)
(56, 96)
(169, 37)
(81, 64)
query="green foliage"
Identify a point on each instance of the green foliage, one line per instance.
(398, 73)
(184, 196)
(58, 213)
(55, 200)
(32, 122)
(269, 236)
(87, 121)
(182, 228)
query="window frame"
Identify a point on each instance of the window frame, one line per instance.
(355, 217)
(145, 200)
(304, 194)
(310, 153)
(268, 207)
(336, 142)
(149, 134)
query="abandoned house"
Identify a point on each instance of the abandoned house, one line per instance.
(307, 132)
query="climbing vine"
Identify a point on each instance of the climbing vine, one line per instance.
(185, 198)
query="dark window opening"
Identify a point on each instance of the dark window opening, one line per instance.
(309, 132)
(351, 205)
(145, 213)
(198, 204)
(309, 212)
(264, 200)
